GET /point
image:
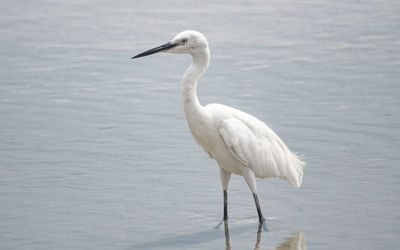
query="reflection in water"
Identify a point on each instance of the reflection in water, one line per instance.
(185, 241)
(258, 239)
(227, 243)
(295, 242)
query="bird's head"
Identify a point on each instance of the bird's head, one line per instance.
(187, 42)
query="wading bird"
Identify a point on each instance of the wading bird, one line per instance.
(240, 143)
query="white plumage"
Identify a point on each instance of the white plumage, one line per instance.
(240, 143)
(254, 145)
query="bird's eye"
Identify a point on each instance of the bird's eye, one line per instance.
(184, 40)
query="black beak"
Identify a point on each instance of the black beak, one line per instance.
(156, 49)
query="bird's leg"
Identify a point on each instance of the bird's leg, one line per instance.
(250, 179)
(225, 218)
(260, 216)
(225, 177)
(225, 205)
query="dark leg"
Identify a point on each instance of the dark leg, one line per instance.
(250, 179)
(225, 205)
(225, 218)
(225, 176)
(260, 216)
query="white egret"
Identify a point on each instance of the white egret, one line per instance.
(240, 143)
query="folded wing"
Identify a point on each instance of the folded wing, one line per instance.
(253, 144)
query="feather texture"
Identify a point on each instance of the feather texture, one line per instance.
(253, 144)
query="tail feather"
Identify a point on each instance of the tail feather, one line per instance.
(296, 166)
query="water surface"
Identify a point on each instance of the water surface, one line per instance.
(95, 152)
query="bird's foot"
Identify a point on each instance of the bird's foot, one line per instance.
(217, 227)
(263, 225)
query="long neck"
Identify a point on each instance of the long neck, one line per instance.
(199, 65)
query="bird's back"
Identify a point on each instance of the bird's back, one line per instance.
(253, 144)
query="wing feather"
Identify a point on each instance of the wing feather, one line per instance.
(253, 144)
(232, 139)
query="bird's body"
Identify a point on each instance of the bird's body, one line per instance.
(240, 143)
(237, 141)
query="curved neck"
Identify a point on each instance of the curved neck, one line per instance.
(200, 61)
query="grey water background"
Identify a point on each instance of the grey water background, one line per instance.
(95, 152)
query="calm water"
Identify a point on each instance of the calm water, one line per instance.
(95, 152)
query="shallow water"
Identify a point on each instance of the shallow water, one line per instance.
(95, 152)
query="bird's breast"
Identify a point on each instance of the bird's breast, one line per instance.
(205, 137)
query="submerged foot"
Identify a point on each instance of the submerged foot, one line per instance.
(217, 227)
(263, 224)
